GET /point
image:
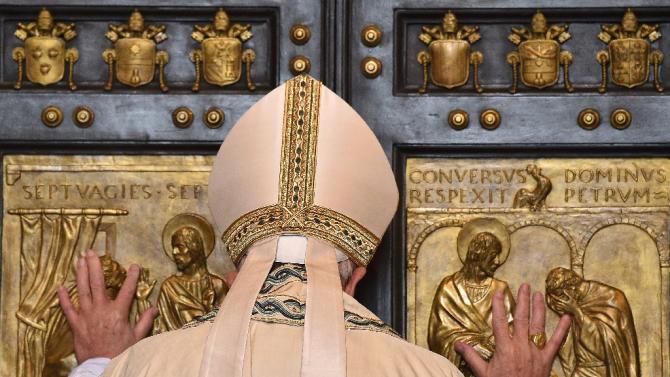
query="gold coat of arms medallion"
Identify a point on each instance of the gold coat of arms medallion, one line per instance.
(135, 61)
(451, 63)
(222, 64)
(539, 63)
(629, 53)
(135, 53)
(220, 57)
(448, 57)
(45, 60)
(539, 55)
(44, 51)
(630, 63)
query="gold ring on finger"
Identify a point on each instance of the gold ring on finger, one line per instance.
(539, 339)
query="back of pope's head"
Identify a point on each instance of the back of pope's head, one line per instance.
(300, 161)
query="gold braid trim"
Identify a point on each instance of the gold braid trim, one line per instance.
(296, 212)
(352, 238)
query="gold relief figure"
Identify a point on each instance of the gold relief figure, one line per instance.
(135, 53)
(44, 51)
(462, 307)
(221, 54)
(534, 199)
(449, 55)
(602, 341)
(145, 286)
(629, 53)
(188, 240)
(539, 54)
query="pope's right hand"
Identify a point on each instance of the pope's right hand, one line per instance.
(101, 326)
(515, 354)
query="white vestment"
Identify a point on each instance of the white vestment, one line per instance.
(275, 341)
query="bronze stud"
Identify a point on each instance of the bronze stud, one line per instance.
(214, 117)
(371, 35)
(371, 67)
(300, 64)
(490, 119)
(459, 119)
(589, 119)
(83, 117)
(300, 34)
(621, 119)
(52, 116)
(182, 117)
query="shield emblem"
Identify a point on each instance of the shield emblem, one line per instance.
(450, 62)
(630, 61)
(539, 63)
(45, 59)
(222, 60)
(136, 60)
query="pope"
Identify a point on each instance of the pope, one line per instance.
(302, 193)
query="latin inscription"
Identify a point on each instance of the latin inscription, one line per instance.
(454, 183)
(132, 191)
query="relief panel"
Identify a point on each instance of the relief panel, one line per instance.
(590, 233)
(149, 210)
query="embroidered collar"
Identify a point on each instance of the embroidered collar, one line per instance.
(282, 300)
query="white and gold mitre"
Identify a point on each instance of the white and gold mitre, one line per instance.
(302, 161)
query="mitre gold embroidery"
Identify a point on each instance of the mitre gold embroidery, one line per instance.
(296, 211)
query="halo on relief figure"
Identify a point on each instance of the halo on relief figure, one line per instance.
(479, 225)
(194, 221)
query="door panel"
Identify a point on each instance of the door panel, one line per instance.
(534, 124)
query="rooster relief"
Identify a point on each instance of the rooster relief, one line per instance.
(536, 198)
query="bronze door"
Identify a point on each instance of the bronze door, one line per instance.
(530, 114)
